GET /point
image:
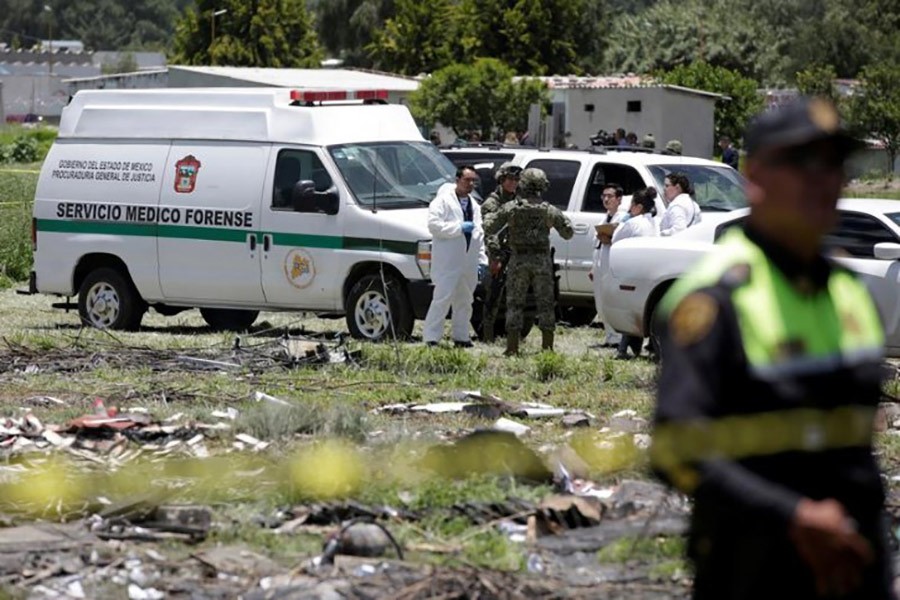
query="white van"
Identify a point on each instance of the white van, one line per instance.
(235, 201)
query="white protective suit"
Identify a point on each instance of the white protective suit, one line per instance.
(681, 213)
(600, 269)
(643, 225)
(454, 270)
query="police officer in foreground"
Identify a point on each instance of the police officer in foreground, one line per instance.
(496, 245)
(529, 220)
(769, 385)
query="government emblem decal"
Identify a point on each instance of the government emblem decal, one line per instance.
(299, 268)
(186, 174)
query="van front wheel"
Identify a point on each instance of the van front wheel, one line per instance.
(108, 300)
(228, 319)
(376, 311)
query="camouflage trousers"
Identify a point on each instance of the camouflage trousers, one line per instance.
(534, 269)
(491, 304)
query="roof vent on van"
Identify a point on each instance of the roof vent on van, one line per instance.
(309, 96)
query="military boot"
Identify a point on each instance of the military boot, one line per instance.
(547, 340)
(512, 343)
(487, 332)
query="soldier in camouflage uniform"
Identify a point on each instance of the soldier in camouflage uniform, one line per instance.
(496, 245)
(529, 220)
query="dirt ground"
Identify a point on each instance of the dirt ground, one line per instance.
(291, 462)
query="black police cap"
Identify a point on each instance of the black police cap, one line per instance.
(799, 122)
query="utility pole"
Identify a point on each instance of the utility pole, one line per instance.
(49, 12)
(212, 27)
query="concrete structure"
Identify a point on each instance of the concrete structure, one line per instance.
(145, 61)
(581, 106)
(32, 86)
(150, 79)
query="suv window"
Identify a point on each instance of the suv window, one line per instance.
(562, 174)
(487, 182)
(605, 174)
(715, 188)
(294, 166)
(857, 233)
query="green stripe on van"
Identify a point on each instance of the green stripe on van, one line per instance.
(220, 234)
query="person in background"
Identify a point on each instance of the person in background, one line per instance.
(681, 210)
(730, 156)
(641, 224)
(454, 220)
(674, 147)
(615, 215)
(649, 142)
(511, 138)
(631, 139)
(496, 245)
(772, 368)
(530, 219)
(620, 137)
(435, 137)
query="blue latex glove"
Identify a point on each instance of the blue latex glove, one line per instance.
(482, 270)
(468, 226)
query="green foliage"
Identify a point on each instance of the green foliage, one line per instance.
(339, 419)
(731, 114)
(532, 37)
(16, 194)
(549, 366)
(99, 24)
(21, 145)
(481, 97)
(412, 359)
(125, 64)
(347, 27)
(875, 108)
(417, 39)
(643, 549)
(817, 80)
(267, 33)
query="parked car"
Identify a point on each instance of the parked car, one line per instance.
(577, 178)
(866, 241)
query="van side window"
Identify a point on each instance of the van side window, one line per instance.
(604, 174)
(293, 166)
(562, 174)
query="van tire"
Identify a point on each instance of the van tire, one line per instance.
(107, 299)
(229, 319)
(369, 306)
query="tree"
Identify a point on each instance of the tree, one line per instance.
(818, 80)
(534, 37)
(417, 39)
(347, 27)
(478, 97)
(875, 108)
(733, 113)
(262, 33)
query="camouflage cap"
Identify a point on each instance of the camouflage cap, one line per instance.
(508, 169)
(533, 182)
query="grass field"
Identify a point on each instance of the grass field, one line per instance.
(379, 457)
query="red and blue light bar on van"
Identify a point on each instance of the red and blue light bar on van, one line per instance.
(337, 95)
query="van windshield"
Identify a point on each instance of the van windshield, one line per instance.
(715, 188)
(393, 174)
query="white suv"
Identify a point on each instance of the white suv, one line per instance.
(577, 178)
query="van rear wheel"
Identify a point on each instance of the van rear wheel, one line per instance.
(107, 299)
(229, 319)
(377, 311)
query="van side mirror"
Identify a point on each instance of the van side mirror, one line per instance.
(305, 198)
(887, 251)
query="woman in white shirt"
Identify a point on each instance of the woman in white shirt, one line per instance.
(641, 224)
(681, 210)
(612, 201)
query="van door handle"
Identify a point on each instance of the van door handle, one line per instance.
(252, 239)
(267, 242)
(581, 228)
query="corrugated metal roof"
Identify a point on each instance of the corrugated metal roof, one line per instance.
(573, 82)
